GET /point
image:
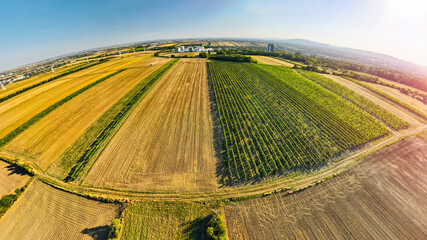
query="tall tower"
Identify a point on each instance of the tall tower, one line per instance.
(270, 47)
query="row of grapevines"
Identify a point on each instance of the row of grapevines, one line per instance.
(270, 127)
(388, 118)
(355, 120)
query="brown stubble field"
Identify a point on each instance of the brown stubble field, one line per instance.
(401, 113)
(167, 142)
(383, 196)
(46, 140)
(11, 178)
(272, 61)
(44, 212)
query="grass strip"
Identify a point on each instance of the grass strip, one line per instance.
(62, 74)
(6, 139)
(83, 150)
(397, 101)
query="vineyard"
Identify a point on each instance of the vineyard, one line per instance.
(388, 118)
(275, 120)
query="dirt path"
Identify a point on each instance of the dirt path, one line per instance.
(289, 184)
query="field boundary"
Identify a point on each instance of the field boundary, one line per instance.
(289, 184)
(392, 99)
(6, 139)
(396, 126)
(130, 101)
(62, 74)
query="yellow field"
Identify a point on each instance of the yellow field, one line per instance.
(272, 61)
(14, 87)
(45, 141)
(21, 108)
(166, 143)
(11, 178)
(43, 212)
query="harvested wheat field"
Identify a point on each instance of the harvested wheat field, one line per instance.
(16, 86)
(383, 197)
(11, 178)
(21, 108)
(46, 140)
(400, 96)
(44, 212)
(167, 142)
(272, 61)
(374, 98)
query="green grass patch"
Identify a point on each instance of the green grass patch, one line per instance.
(166, 220)
(6, 139)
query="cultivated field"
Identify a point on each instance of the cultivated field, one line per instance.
(167, 142)
(383, 197)
(43, 212)
(21, 108)
(400, 96)
(11, 178)
(165, 220)
(46, 140)
(16, 86)
(274, 121)
(392, 108)
(360, 101)
(272, 61)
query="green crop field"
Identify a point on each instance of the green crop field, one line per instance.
(388, 118)
(275, 120)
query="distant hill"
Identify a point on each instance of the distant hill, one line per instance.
(349, 54)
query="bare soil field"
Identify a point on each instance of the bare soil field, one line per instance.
(21, 108)
(383, 197)
(44, 212)
(373, 97)
(272, 61)
(11, 178)
(167, 142)
(46, 140)
(402, 97)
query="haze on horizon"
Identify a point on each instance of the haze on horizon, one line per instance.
(36, 30)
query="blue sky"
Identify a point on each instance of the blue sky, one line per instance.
(35, 30)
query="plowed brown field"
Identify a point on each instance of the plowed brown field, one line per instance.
(383, 197)
(166, 143)
(11, 178)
